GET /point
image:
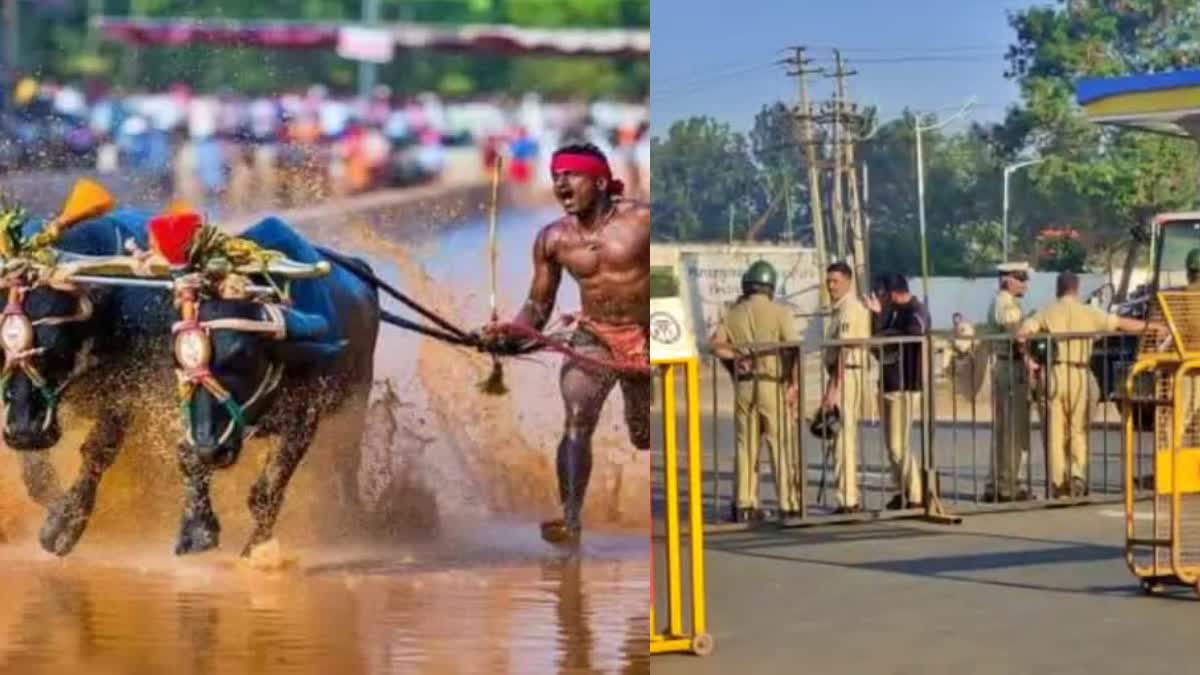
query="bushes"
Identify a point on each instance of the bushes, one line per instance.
(1060, 250)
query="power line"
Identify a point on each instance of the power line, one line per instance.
(921, 49)
(692, 85)
(973, 58)
(712, 67)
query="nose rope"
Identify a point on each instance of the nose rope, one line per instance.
(202, 376)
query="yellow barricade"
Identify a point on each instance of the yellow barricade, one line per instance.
(676, 638)
(1161, 552)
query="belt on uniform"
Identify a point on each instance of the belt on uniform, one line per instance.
(759, 378)
(1072, 364)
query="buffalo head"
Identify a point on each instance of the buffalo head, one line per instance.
(44, 333)
(231, 355)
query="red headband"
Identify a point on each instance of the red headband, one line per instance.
(589, 165)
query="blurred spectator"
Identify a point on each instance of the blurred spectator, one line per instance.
(304, 144)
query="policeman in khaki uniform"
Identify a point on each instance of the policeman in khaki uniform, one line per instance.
(1071, 377)
(1193, 269)
(850, 320)
(1010, 388)
(764, 383)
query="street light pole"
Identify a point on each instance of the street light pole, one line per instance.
(367, 70)
(921, 189)
(1008, 171)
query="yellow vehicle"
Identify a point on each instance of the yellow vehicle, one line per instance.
(1162, 386)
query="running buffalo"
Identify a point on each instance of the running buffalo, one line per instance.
(251, 367)
(82, 346)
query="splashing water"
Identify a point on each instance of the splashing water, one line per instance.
(447, 573)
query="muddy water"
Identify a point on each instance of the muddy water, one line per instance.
(449, 577)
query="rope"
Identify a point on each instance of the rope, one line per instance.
(401, 322)
(453, 335)
(543, 341)
(384, 286)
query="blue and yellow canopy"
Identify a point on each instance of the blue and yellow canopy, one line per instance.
(1167, 103)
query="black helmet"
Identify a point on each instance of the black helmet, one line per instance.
(1193, 260)
(761, 273)
(826, 424)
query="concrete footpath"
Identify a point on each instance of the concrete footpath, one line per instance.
(1031, 592)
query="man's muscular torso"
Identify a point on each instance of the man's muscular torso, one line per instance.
(610, 261)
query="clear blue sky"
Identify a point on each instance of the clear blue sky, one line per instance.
(714, 57)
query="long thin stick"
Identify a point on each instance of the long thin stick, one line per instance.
(492, 249)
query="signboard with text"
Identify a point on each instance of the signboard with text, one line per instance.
(713, 277)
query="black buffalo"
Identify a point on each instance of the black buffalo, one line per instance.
(279, 387)
(109, 343)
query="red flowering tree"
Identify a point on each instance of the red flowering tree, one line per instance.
(1059, 250)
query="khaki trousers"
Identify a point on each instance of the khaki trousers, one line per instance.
(898, 410)
(1010, 427)
(758, 414)
(1070, 409)
(845, 452)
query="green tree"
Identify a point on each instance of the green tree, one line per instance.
(962, 200)
(777, 152)
(699, 171)
(56, 43)
(1101, 180)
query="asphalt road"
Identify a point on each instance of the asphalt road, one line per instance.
(1035, 592)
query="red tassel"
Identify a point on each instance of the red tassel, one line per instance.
(171, 235)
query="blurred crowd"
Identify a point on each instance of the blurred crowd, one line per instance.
(230, 151)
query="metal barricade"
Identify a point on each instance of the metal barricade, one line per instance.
(677, 638)
(1161, 532)
(956, 423)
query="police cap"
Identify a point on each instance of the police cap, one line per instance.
(1016, 269)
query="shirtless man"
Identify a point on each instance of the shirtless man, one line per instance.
(604, 243)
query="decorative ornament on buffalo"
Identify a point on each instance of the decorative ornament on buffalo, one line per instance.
(171, 235)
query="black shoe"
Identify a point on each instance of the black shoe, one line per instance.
(785, 516)
(897, 503)
(844, 510)
(745, 514)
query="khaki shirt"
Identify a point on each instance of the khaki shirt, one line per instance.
(1004, 316)
(756, 319)
(850, 320)
(1069, 315)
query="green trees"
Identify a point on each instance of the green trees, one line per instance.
(56, 43)
(712, 183)
(1096, 182)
